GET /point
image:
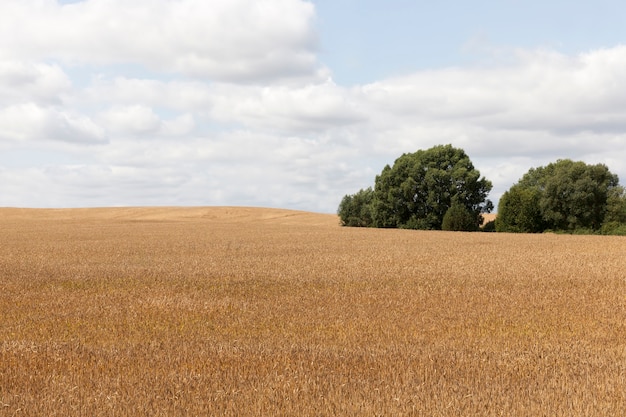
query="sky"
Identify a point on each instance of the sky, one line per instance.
(293, 103)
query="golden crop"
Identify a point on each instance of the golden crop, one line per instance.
(257, 312)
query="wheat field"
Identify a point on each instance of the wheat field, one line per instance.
(257, 312)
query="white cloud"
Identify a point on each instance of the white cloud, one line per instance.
(25, 81)
(178, 126)
(143, 121)
(233, 40)
(80, 185)
(30, 122)
(543, 104)
(179, 95)
(131, 119)
(310, 107)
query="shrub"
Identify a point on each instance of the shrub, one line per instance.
(490, 226)
(458, 218)
(613, 228)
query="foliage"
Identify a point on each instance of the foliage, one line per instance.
(490, 226)
(616, 205)
(562, 196)
(458, 219)
(613, 228)
(356, 210)
(418, 190)
(518, 211)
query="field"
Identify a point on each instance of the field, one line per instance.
(258, 312)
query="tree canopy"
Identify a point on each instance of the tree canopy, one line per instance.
(356, 210)
(458, 218)
(564, 195)
(418, 190)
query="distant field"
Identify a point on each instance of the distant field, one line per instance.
(487, 217)
(259, 312)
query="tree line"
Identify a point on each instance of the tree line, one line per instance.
(439, 189)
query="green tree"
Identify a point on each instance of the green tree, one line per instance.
(615, 218)
(356, 210)
(417, 191)
(575, 195)
(616, 205)
(564, 195)
(518, 211)
(458, 218)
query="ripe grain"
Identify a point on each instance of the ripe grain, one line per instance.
(247, 312)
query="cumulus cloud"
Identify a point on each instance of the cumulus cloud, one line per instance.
(75, 185)
(309, 107)
(27, 81)
(30, 122)
(131, 119)
(232, 40)
(543, 101)
(142, 120)
(178, 126)
(226, 102)
(179, 95)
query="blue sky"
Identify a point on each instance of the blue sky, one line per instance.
(293, 104)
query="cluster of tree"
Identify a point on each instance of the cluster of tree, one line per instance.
(432, 189)
(439, 189)
(564, 196)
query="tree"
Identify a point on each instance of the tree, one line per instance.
(356, 210)
(518, 211)
(616, 205)
(575, 195)
(458, 218)
(564, 195)
(615, 218)
(417, 191)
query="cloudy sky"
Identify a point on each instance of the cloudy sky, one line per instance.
(293, 103)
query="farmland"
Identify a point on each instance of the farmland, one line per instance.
(249, 312)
